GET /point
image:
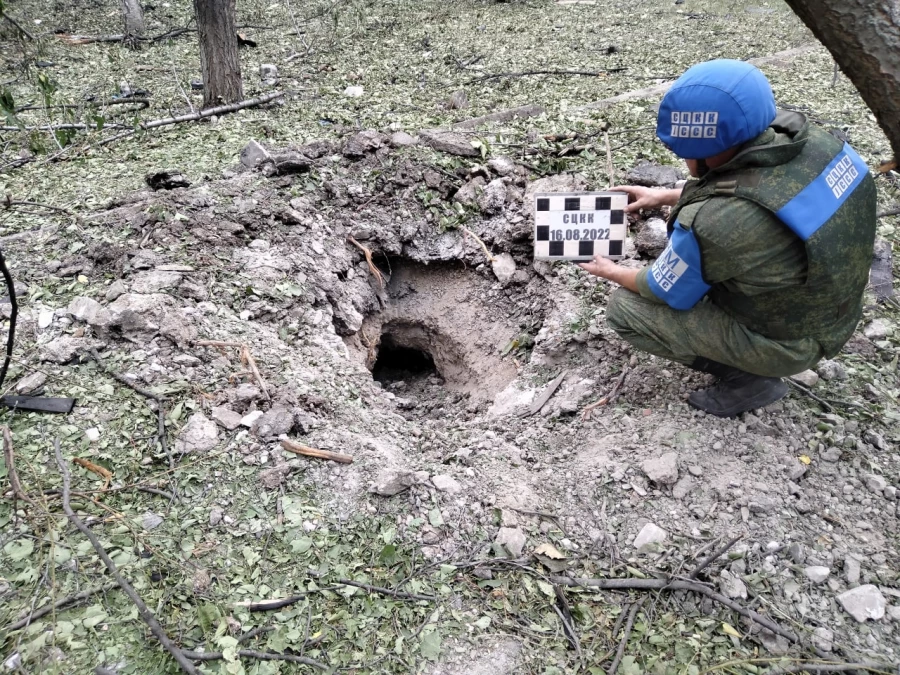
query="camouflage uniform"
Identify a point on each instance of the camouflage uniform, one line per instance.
(768, 311)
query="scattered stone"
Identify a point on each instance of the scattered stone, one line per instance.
(198, 435)
(430, 535)
(875, 439)
(274, 423)
(662, 470)
(92, 434)
(695, 471)
(63, 349)
(732, 586)
(863, 602)
(247, 392)
(353, 91)
(291, 163)
(852, 570)
(652, 237)
(254, 154)
(502, 166)
(823, 639)
(362, 143)
(774, 644)
(116, 289)
(272, 478)
(890, 493)
(763, 504)
(652, 175)
(683, 487)
(449, 142)
(151, 521)
(493, 198)
(394, 482)
(30, 383)
(875, 483)
(797, 553)
(513, 539)
(45, 318)
(226, 417)
(153, 281)
(831, 455)
(468, 194)
(831, 370)
(166, 179)
(401, 139)
(650, 534)
(807, 378)
(268, 73)
(200, 584)
(84, 309)
(250, 418)
(504, 267)
(445, 483)
(215, 515)
(817, 573)
(877, 330)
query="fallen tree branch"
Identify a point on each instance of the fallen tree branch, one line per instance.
(828, 407)
(830, 668)
(90, 39)
(524, 73)
(17, 25)
(530, 110)
(9, 203)
(609, 398)
(279, 603)
(101, 471)
(143, 611)
(718, 553)
(59, 604)
(300, 449)
(889, 212)
(10, 459)
(368, 254)
(76, 126)
(478, 239)
(620, 652)
(262, 656)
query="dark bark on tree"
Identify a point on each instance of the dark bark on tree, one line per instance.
(219, 59)
(862, 36)
(133, 14)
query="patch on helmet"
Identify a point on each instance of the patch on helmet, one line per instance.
(687, 124)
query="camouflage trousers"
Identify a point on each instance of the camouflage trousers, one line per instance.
(705, 331)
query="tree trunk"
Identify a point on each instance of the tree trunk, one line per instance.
(218, 52)
(134, 19)
(862, 36)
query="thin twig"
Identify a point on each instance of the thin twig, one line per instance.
(9, 203)
(143, 611)
(587, 73)
(609, 398)
(181, 87)
(247, 358)
(17, 25)
(478, 239)
(368, 254)
(269, 605)
(262, 656)
(719, 552)
(46, 609)
(628, 626)
(889, 212)
(828, 407)
(10, 459)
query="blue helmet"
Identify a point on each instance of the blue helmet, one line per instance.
(715, 106)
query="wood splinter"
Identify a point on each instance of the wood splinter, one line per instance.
(300, 449)
(368, 254)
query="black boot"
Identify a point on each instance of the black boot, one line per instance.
(736, 391)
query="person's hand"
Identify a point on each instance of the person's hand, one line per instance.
(600, 267)
(646, 198)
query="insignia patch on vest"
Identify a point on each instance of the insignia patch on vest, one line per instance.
(687, 124)
(677, 276)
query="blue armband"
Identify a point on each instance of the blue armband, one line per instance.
(677, 276)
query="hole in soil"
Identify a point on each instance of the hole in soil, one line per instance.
(396, 362)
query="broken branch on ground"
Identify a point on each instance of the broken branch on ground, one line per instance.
(524, 73)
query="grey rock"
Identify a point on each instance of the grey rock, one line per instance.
(271, 479)
(662, 470)
(394, 482)
(797, 553)
(852, 569)
(445, 483)
(274, 423)
(652, 237)
(808, 378)
(877, 330)
(831, 370)
(251, 417)
(151, 521)
(774, 644)
(468, 194)
(84, 309)
(290, 163)
(30, 383)
(512, 538)
(504, 267)
(226, 417)
(502, 166)
(63, 349)
(683, 487)
(493, 198)
(797, 470)
(430, 535)
(245, 393)
(362, 143)
(215, 515)
(254, 154)
(198, 435)
(875, 483)
(890, 493)
(401, 139)
(831, 455)
(449, 142)
(179, 328)
(115, 290)
(45, 318)
(732, 586)
(166, 179)
(268, 73)
(650, 534)
(763, 504)
(653, 175)
(874, 438)
(817, 573)
(695, 470)
(823, 639)
(863, 602)
(153, 281)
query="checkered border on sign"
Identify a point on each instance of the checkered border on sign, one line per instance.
(585, 250)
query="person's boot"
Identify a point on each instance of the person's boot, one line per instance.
(736, 391)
